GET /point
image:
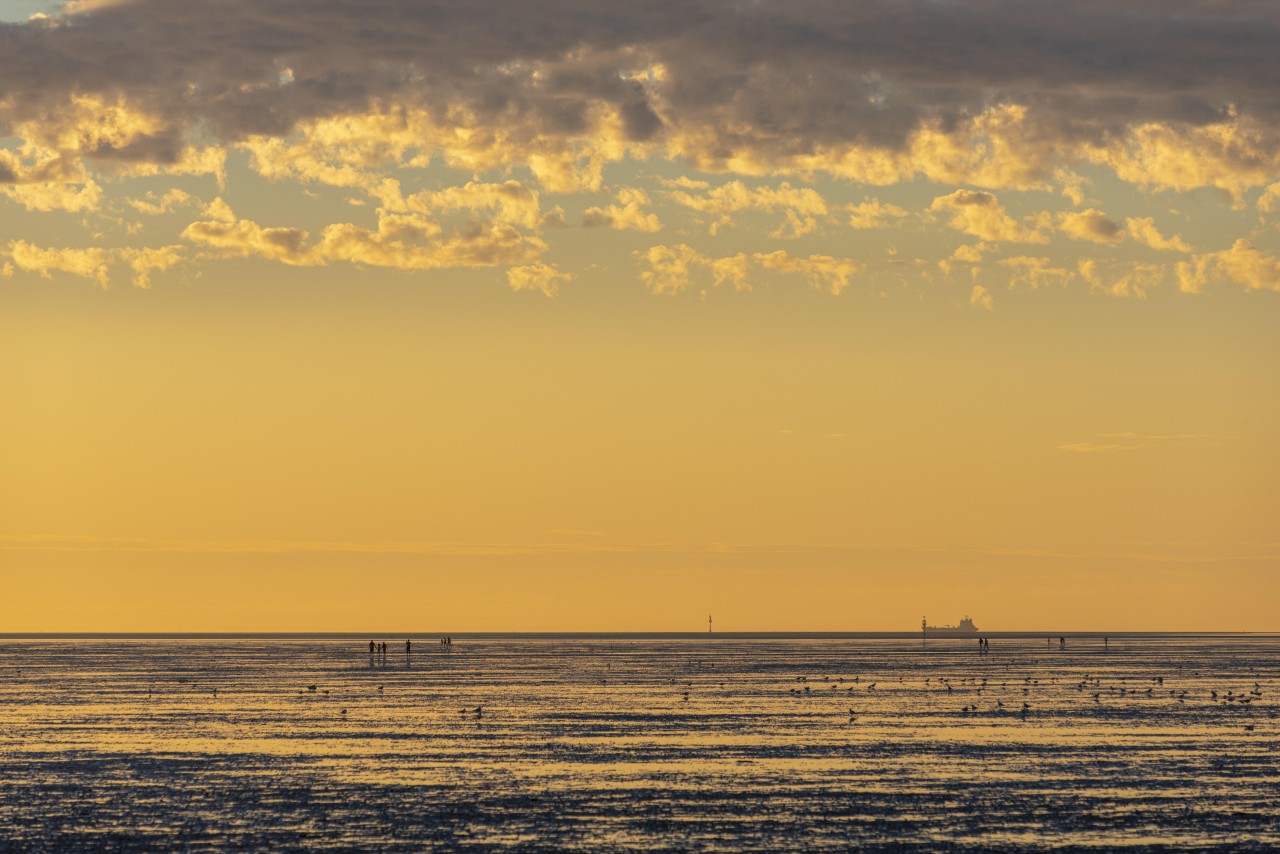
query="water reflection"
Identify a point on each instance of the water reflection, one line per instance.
(710, 744)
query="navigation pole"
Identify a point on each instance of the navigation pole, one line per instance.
(708, 624)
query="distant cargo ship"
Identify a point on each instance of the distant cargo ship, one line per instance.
(966, 627)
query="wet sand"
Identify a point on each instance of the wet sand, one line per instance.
(623, 743)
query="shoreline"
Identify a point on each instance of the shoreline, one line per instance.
(622, 636)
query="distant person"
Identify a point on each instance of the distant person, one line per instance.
(408, 647)
(371, 647)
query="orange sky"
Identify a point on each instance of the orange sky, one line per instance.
(633, 348)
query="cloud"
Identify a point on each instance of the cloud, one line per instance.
(1095, 226)
(671, 268)
(963, 254)
(154, 204)
(626, 214)
(801, 206)
(402, 241)
(232, 237)
(823, 271)
(1231, 155)
(981, 215)
(545, 278)
(871, 213)
(1091, 225)
(1269, 201)
(1135, 279)
(1167, 93)
(1034, 273)
(508, 203)
(48, 171)
(1144, 231)
(93, 263)
(56, 196)
(981, 297)
(1242, 264)
(380, 97)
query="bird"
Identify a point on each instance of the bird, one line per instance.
(312, 688)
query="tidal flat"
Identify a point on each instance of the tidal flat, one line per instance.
(625, 743)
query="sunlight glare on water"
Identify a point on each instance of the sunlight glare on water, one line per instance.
(590, 743)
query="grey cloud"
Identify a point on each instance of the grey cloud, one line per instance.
(771, 77)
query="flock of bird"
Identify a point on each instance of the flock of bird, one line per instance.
(979, 687)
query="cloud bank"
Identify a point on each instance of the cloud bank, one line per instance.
(980, 95)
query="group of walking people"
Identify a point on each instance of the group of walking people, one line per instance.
(379, 650)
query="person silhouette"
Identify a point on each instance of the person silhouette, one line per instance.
(408, 646)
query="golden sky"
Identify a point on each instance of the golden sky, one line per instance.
(547, 316)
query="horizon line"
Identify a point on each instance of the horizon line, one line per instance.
(1012, 634)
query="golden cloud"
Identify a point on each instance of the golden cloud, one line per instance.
(1143, 230)
(93, 262)
(800, 205)
(627, 213)
(545, 278)
(1242, 264)
(1034, 273)
(1091, 225)
(980, 214)
(871, 213)
(671, 268)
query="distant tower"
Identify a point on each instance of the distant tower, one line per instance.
(708, 624)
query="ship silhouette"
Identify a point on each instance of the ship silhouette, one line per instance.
(966, 627)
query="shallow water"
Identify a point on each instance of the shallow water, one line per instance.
(599, 744)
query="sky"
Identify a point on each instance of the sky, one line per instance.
(564, 315)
